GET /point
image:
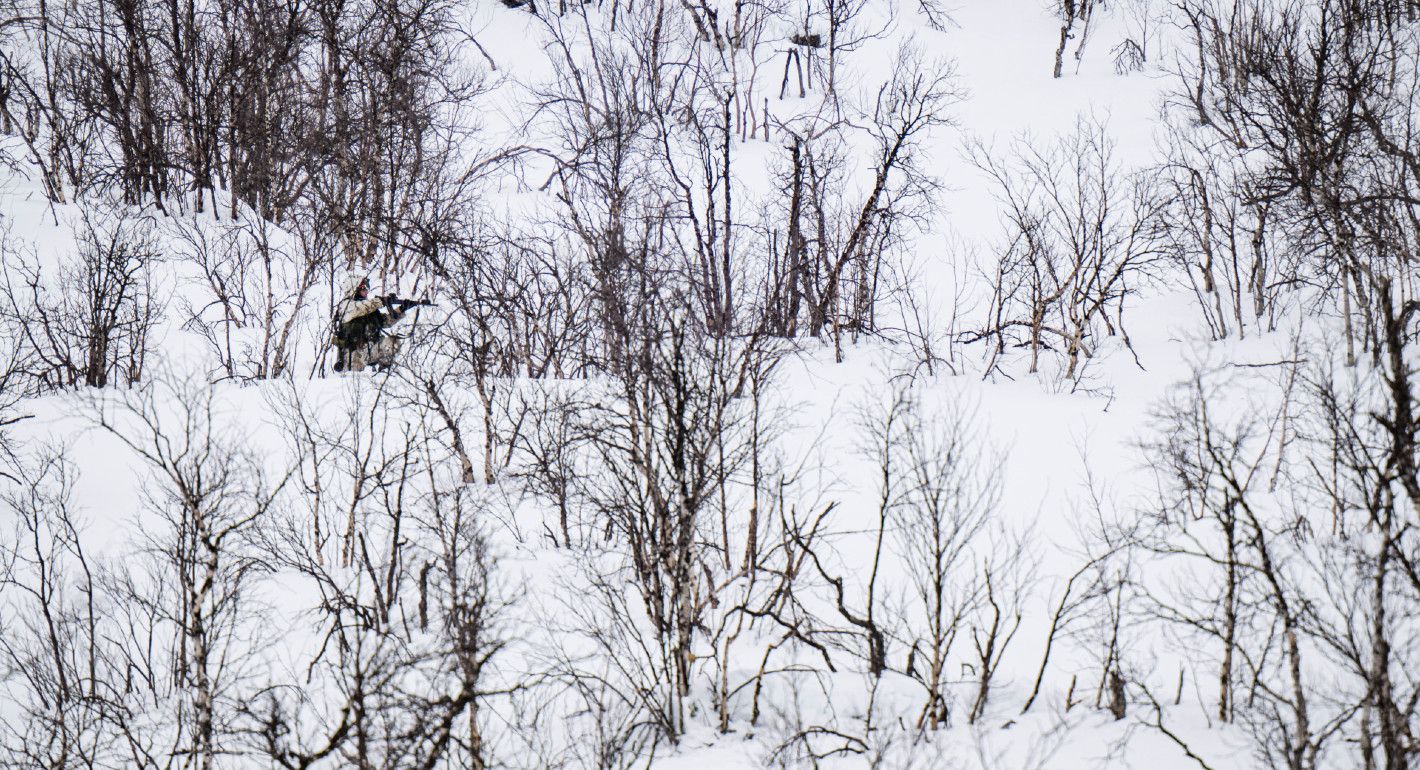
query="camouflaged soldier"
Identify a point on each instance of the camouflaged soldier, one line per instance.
(361, 322)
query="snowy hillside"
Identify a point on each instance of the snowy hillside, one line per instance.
(998, 385)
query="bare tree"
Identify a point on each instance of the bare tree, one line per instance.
(256, 285)
(58, 671)
(1082, 236)
(210, 492)
(1075, 20)
(88, 321)
(944, 492)
(1218, 234)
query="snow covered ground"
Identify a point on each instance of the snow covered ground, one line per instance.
(1069, 454)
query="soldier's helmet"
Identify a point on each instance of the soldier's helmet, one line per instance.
(354, 283)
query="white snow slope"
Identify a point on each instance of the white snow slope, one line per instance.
(1067, 456)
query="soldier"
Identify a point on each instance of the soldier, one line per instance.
(360, 338)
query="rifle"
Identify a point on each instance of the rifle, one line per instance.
(399, 307)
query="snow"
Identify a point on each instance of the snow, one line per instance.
(1055, 440)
